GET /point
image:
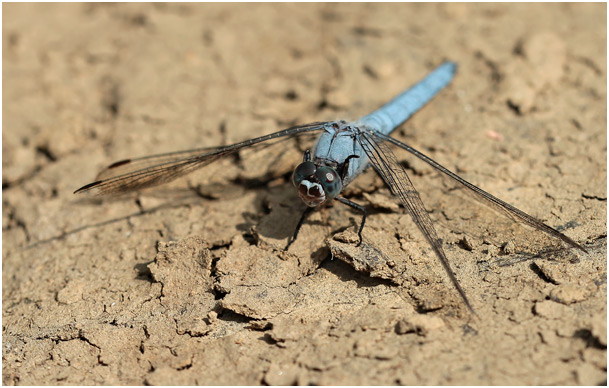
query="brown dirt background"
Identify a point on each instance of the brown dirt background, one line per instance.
(175, 287)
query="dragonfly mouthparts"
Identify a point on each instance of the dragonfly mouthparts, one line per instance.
(311, 193)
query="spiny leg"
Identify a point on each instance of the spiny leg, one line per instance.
(306, 157)
(357, 207)
(343, 169)
(300, 222)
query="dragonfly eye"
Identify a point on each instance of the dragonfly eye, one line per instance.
(330, 181)
(302, 171)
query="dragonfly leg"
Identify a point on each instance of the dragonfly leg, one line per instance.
(357, 207)
(343, 169)
(307, 156)
(300, 222)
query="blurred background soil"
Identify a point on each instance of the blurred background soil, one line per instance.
(188, 284)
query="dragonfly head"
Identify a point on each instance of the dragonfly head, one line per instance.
(316, 184)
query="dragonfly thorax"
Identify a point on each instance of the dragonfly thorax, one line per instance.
(316, 184)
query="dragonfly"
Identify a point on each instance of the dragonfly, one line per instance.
(344, 149)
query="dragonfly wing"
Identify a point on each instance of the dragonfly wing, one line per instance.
(126, 166)
(385, 163)
(486, 198)
(135, 174)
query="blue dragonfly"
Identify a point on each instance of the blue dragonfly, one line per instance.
(343, 151)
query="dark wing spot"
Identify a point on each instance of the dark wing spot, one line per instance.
(119, 163)
(86, 187)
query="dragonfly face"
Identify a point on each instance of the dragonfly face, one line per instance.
(316, 184)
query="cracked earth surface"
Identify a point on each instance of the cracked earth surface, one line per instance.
(188, 283)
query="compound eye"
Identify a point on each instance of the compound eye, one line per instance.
(330, 181)
(302, 171)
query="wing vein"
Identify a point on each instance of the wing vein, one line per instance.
(135, 174)
(487, 198)
(385, 163)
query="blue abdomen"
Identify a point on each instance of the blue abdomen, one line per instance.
(398, 110)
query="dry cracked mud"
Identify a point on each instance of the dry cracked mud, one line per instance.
(189, 283)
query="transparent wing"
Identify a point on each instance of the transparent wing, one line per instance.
(136, 174)
(386, 165)
(126, 166)
(487, 199)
